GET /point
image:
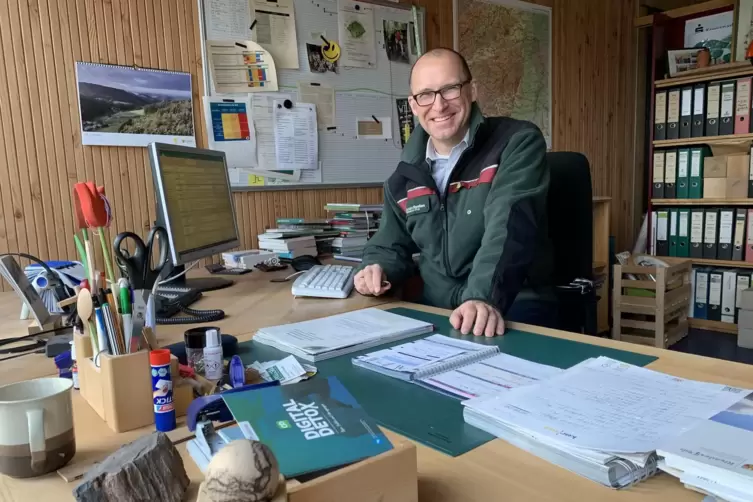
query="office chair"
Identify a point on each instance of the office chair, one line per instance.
(571, 232)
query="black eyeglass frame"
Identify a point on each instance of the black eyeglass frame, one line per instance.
(458, 86)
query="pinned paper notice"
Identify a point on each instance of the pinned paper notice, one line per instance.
(374, 128)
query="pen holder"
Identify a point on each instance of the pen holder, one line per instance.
(119, 388)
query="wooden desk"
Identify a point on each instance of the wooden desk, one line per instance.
(489, 472)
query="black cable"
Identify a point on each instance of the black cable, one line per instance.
(193, 317)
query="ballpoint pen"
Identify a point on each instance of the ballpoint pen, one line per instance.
(125, 314)
(115, 347)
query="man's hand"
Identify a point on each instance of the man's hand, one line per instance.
(371, 281)
(479, 316)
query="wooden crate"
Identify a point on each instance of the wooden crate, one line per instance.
(660, 321)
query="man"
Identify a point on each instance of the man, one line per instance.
(469, 195)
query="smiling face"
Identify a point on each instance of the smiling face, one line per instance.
(446, 120)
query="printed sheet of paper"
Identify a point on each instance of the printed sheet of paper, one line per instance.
(241, 66)
(275, 30)
(227, 19)
(356, 34)
(296, 136)
(607, 405)
(287, 370)
(368, 128)
(323, 97)
(497, 373)
(307, 176)
(265, 131)
(230, 129)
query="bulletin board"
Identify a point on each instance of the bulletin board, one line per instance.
(345, 159)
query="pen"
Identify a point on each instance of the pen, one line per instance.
(125, 314)
(101, 329)
(115, 317)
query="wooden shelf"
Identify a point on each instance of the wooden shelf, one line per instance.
(721, 263)
(716, 72)
(702, 202)
(643, 21)
(705, 140)
(724, 327)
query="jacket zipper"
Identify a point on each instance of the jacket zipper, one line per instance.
(443, 209)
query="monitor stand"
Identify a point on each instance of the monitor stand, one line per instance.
(199, 283)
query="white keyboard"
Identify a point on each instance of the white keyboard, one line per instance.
(325, 281)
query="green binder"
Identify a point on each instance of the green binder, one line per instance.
(697, 158)
(673, 239)
(683, 173)
(683, 233)
(429, 417)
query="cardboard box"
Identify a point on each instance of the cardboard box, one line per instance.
(738, 166)
(737, 188)
(715, 167)
(745, 319)
(714, 188)
(746, 299)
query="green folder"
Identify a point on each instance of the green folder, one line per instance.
(697, 158)
(683, 173)
(683, 233)
(673, 240)
(429, 417)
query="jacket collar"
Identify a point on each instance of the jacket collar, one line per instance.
(415, 150)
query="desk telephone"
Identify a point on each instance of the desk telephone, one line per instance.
(171, 300)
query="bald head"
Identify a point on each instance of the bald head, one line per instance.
(454, 60)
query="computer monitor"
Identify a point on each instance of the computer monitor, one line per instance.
(195, 206)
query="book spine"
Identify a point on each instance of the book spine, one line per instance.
(457, 363)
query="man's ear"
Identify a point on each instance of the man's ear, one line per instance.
(413, 105)
(474, 93)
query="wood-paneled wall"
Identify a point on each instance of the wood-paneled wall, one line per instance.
(40, 147)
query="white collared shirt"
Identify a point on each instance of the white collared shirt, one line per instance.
(441, 165)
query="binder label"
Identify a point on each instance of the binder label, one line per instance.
(743, 282)
(695, 163)
(658, 167)
(696, 227)
(687, 101)
(712, 110)
(702, 287)
(673, 109)
(660, 107)
(715, 288)
(743, 97)
(728, 98)
(661, 228)
(682, 170)
(672, 223)
(739, 229)
(683, 220)
(725, 227)
(709, 233)
(670, 167)
(698, 101)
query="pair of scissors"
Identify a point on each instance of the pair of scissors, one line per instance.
(137, 267)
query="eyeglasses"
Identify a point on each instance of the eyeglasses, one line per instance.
(448, 93)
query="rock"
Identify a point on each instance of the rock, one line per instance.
(242, 470)
(147, 470)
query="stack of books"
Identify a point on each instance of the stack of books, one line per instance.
(288, 244)
(356, 223)
(321, 230)
(716, 456)
(602, 418)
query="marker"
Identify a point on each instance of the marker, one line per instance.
(101, 329)
(125, 314)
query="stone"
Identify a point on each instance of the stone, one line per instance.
(147, 470)
(243, 470)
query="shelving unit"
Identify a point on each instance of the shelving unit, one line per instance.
(704, 140)
(667, 30)
(702, 202)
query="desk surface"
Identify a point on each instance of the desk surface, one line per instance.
(479, 475)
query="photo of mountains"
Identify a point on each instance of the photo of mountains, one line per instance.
(134, 101)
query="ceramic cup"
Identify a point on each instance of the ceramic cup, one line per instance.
(36, 427)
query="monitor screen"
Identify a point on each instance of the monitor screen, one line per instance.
(194, 201)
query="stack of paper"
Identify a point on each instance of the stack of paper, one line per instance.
(602, 418)
(287, 371)
(321, 339)
(716, 456)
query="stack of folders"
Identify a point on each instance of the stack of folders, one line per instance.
(602, 419)
(716, 457)
(321, 339)
(454, 367)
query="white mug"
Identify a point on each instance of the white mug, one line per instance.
(36, 427)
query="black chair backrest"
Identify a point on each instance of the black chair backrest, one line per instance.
(570, 216)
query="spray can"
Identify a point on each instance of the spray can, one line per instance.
(213, 355)
(162, 390)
